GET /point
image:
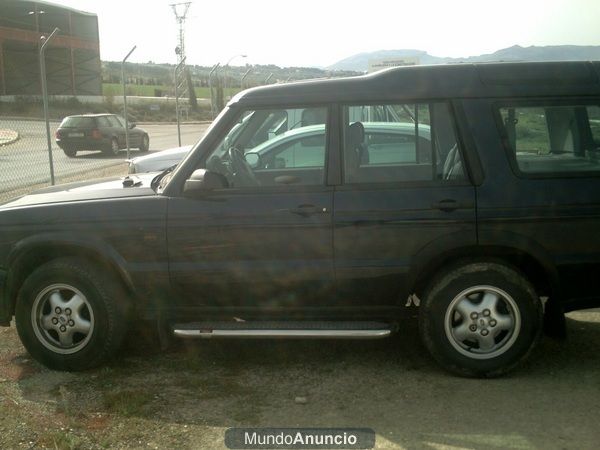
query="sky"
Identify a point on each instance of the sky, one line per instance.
(319, 33)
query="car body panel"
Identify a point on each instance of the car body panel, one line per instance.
(379, 232)
(250, 249)
(122, 225)
(555, 217)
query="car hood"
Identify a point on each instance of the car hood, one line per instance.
(115, 187)
(177, 151)
(158, 160)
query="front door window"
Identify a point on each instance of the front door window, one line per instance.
(273, 147)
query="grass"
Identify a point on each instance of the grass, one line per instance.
(62, 440)
(532, 129)
(59, 108)
(127, 402)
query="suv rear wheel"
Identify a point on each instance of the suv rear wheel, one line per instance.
(480, 319)
(70, 315)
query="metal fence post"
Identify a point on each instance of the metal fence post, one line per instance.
(125, 99)
(177, 68)
(210, 87)
(244, 77)
(45, 98)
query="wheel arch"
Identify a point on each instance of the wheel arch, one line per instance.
(536, 267)
(33, 252)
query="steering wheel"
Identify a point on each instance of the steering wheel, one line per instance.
(240, 169)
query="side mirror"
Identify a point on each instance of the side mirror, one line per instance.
(132, 125)
(203, 180)
(253, 159)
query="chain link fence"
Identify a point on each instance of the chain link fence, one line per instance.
(24, 156)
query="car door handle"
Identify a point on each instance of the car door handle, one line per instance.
(446, 205)
(308, 210)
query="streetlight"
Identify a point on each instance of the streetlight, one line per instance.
(227, 67)
(125, 99)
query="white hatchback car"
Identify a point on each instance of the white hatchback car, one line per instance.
(158, 161)
(296, 148)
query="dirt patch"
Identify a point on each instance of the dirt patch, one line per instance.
(188, 396)
(14, 367)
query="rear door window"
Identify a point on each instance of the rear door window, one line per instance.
(103, 122)
(552, 139)
(78, 122)
(114, 122)
(400, 143)
(594, 118)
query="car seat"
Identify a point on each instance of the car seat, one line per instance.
(355, 151)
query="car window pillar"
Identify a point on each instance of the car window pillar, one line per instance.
(334, 147)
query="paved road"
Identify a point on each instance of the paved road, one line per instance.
(25, 162)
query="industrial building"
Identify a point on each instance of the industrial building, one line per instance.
(72, 58)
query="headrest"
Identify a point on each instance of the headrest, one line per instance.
(356, 133)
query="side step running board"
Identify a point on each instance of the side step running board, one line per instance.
(285, 330)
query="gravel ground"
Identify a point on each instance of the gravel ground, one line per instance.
(189, 395)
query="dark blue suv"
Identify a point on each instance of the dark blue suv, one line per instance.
(472, 191)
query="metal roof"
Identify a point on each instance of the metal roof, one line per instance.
(56, 5)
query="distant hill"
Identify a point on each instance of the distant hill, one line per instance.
(360, 62)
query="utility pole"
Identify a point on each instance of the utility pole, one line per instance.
(181, 10)
(177, 77)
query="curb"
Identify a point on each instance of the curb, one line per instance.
(8, 137)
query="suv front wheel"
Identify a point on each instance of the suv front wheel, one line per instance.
(480, 319)
(71, 315)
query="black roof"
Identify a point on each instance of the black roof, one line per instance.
(532, 79)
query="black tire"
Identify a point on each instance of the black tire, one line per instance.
(144, 143)
(113, 149)
(485, 344)
(105, 309)
(71, 153)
